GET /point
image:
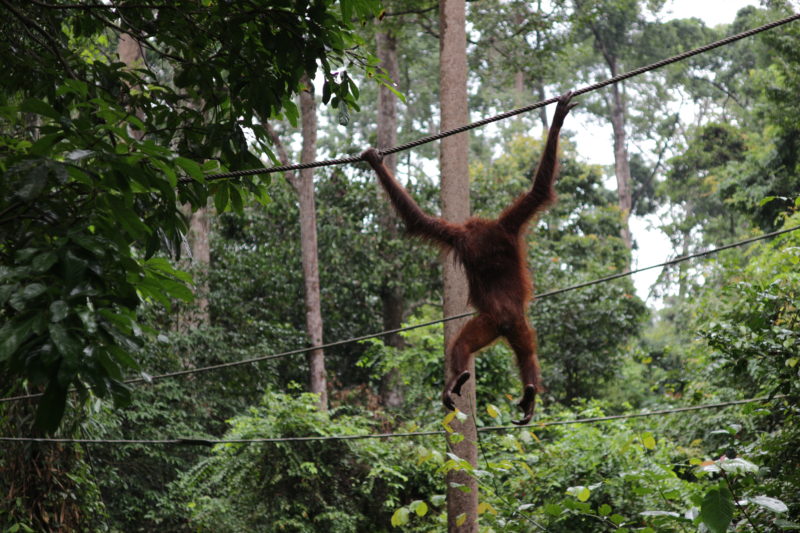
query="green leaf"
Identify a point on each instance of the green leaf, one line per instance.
(33, 290)
(716, 511)
(32, 105)
(773, 504)
(738, 466)
(617, 519)
(604, 510)
(461, 519)
(58, 310)
(221, 198)
(6, 291)
(649, 441)
(236, 200)
(13, 334)
(438, 499)
(123, 357)
(64, 342)
(43, 262)
(492, 411)
(484, 507)
(109, 365)
(553, 509)
(419, 507)
(74, 268)
(34, 184)
(191, 167)
(400, 517)
(787, 525)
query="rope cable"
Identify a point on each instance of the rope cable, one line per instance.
(230, 364)
(192, 441)
(436, 136)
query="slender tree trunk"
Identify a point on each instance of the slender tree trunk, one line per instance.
(622, 167)
(304, 185)
(519, 89)
(199, 252)
(461, 506)
(391, 293)
(200, 246)
(542, 110)
(130, 53)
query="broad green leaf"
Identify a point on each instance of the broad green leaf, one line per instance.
(32, 105)
(738, 466)
(773, 504)
(438, 499)
(63, 341)
(13, 334)
(58, 310)
(649, 441)
(6, 291)
(492, 411)
(617, 519)
(123, 357)
(716, 511)
(236, 200)
(192, 168)
(460, 486)
(553, 509)
(787, 525)
(73, 86)
(659, 513)
(455, 438)
(419, 507)
(447, 419)
(221, 199)
(484, 507)
(580, 492)
(33, 290)
(43, 262)
(400, 517)
(34, 184)
(604, 510)
(74, 268)
(461, 519)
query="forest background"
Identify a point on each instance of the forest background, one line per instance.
(121, 260)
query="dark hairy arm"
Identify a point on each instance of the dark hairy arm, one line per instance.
(417, 221)
(542, 193)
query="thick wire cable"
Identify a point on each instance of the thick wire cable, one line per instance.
(179, 373)
(191, 441)
(507, 114)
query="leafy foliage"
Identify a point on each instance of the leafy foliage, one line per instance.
(338, 485)
(88, 194)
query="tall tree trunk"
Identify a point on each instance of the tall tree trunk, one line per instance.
(304, 186)
(130, 52)
(308, 242)
(622, 167)
(200, 246)
(461, 506)
(391, 293)
(199, 252)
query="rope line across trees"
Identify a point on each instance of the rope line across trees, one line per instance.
(507, 114)
(180, 373)
(408, 434)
